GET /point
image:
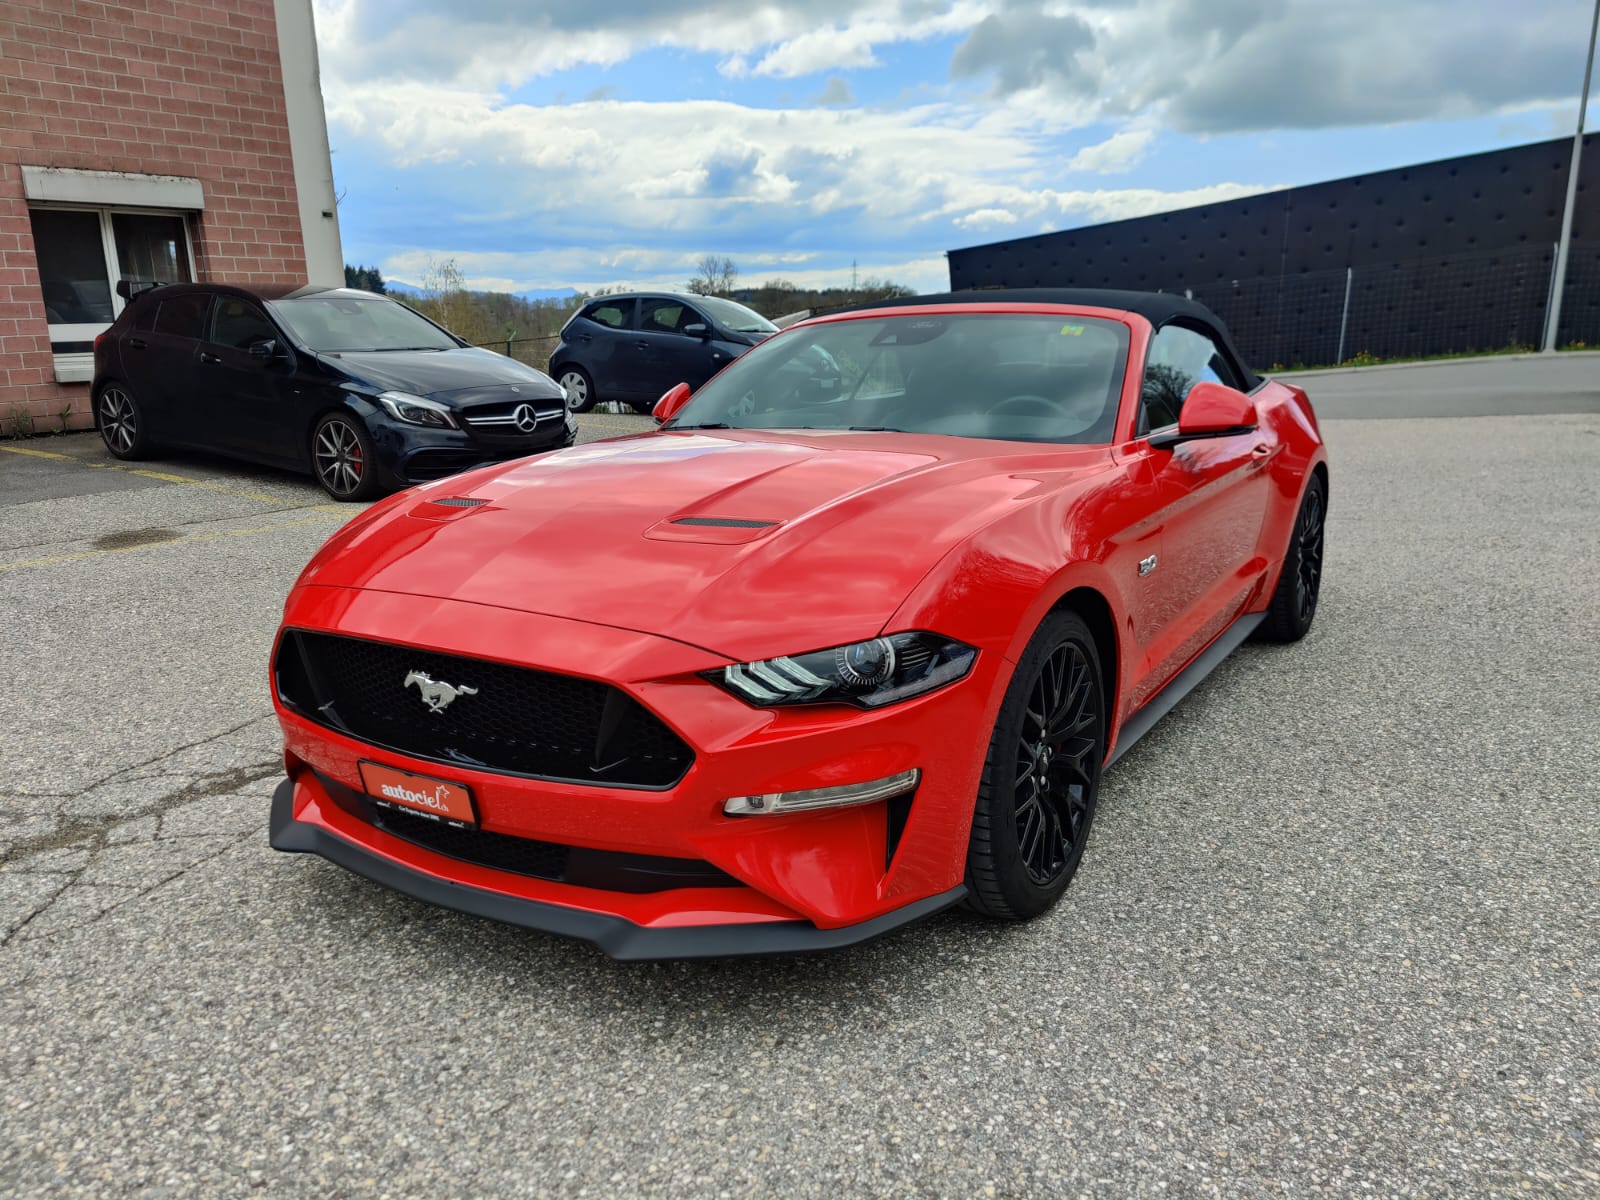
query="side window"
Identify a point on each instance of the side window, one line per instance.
(611, 313)
(1178, 359)
(665, 316)
(183, 316)
(240, 324)
(143, 317)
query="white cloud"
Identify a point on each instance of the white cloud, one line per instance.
(1248, 65)
(1118, 153)
(617, 190)
(986, 218)
(627, 267)
(506, 43)
(1200, 65)
(820, 50)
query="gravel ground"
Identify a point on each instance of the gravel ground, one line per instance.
(1337, 933)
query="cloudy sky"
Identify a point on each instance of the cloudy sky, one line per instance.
(551, 144)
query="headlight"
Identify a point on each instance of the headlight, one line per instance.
(868, 674)
(414, 410)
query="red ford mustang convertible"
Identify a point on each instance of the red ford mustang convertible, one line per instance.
(849, 639)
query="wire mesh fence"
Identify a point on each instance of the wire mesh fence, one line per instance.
(1476, 302)
(531, 351)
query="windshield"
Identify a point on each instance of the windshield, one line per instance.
(331, 323)
(735, 316)
(1012, 376)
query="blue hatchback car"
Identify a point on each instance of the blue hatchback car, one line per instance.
(634, 347)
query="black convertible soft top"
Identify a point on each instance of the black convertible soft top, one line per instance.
(1159, 308)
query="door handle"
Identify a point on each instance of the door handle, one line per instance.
(641, 345)
(1263, 450)
(207, 357)
(137, 343)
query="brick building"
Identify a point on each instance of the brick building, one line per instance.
(160, 140)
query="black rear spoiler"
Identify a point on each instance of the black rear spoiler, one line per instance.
(129, 288)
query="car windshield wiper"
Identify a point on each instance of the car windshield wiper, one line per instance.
(707, 425)
(875, 429)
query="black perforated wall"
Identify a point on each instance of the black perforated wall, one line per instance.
(1448, 256)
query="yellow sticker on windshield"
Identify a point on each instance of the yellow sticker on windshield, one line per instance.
(1071, 330)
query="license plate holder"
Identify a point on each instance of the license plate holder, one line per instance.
(442, 800)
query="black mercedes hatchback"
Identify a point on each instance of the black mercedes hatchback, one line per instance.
(362, 392)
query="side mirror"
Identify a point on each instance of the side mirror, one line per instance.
(266, 349)
(697, 330)
(672, 403)
(1211, 410)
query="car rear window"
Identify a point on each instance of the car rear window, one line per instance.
(183, 316)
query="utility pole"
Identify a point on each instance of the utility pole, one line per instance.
(1552, 326)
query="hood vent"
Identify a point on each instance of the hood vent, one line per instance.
(724, 523)
(447, 508)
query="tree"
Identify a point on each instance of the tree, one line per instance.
(368, 279)
(714, 276)
(780, 297)
(445, 299)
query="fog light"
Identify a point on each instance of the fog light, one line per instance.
(827, 797)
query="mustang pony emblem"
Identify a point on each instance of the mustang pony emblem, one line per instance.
(437, 696)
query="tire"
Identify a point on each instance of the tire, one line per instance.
(341, 458)
(1041, 777)
(1294, 602)
(575, 382)
(121, 422)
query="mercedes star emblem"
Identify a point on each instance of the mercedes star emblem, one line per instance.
(525, 418)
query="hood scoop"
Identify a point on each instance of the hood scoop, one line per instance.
(714, 531)
(724, 523)
(446, 508)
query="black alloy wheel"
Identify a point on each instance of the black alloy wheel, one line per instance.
(579, 388)
(341, 458)
(1294, 603)
(1041, 779)
(121, 423)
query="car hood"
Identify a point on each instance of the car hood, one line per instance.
(746, 544)
(437, 373)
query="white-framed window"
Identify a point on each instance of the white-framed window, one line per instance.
(83, 251)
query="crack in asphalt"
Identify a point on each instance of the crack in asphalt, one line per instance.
(138, 892)
(96, 830)
(94, 833)
(166, 754)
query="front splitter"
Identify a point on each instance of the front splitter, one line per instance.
(616, 936)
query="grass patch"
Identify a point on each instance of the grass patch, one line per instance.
(1365, 358)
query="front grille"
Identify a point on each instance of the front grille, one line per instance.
(577, 865)
(518, 721)
(503, 416)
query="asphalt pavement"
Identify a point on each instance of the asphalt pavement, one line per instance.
(1337, 932)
